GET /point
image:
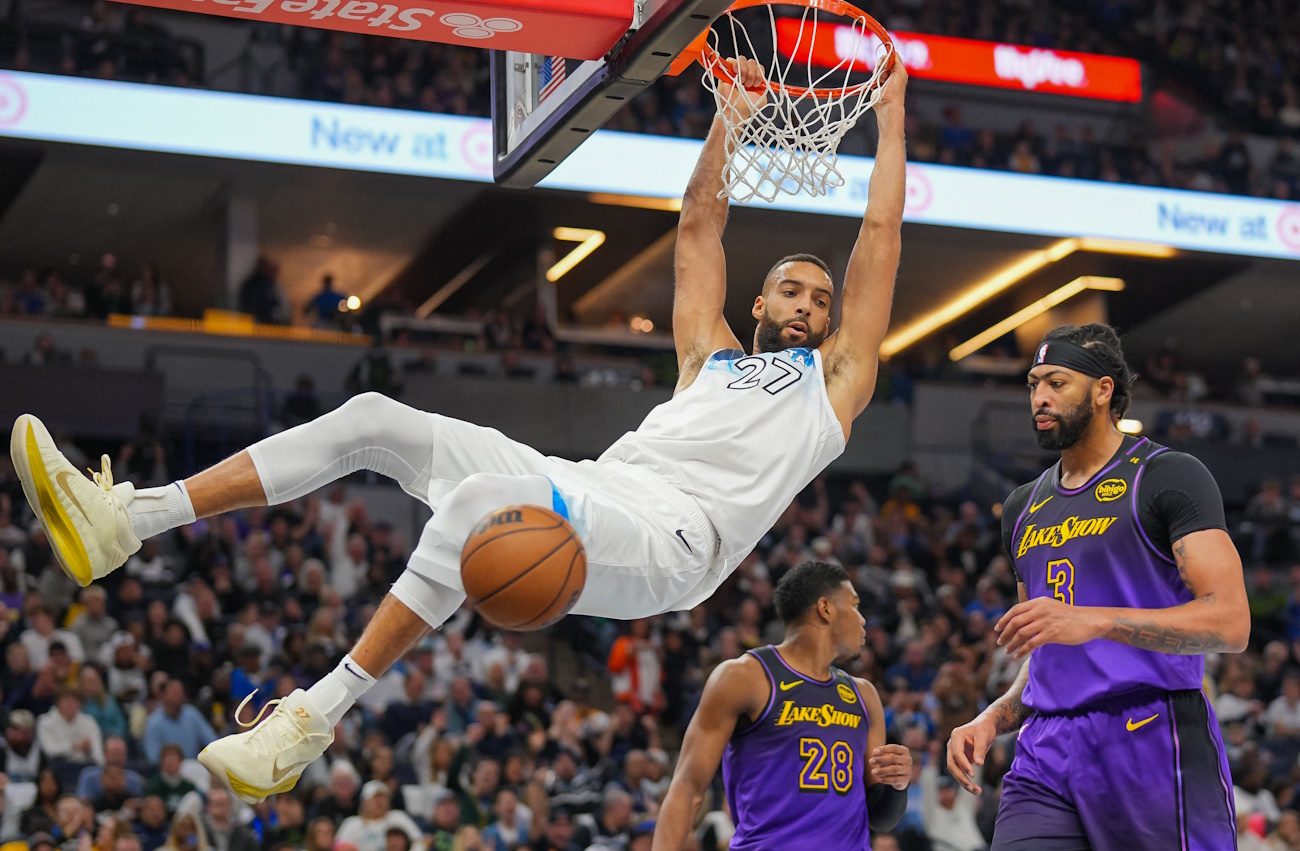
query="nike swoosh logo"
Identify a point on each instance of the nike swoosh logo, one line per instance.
(685, 543)
(354, 673)
(62, 479)
(1131, 726)
(278, 773)
(1034, 508)
(788, 686)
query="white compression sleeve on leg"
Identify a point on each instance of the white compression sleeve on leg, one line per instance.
(437, 556)
(369, 432)
(431, 600)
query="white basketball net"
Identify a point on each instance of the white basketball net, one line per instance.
(790, 144)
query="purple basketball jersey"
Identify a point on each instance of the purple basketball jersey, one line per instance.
(796, 777)
(1086, 547)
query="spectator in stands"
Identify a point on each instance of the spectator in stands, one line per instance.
(90, 781)
(95, 626)
(41, 637)
(261, 296)
(21, 758)
(614, 825)
(341, 802)
(108, 295)
(638, 674)
(225, 833)
(114, 792)
(508, 831)
(446, 820)
(45, 353)
(66, 734)
(168, 783)
(949, 817)
(302, 405)
(176, 722)
(368, 830)
(323, 309)
(150, 295)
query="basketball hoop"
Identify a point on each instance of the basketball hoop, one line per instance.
(791, 143)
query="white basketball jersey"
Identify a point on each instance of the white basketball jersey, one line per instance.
(743, 440)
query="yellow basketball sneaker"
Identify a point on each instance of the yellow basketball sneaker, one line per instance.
(87, 522)
(270, 757)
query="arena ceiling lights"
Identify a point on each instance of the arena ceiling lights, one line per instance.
(1044, 304)
(1002, 281)
(588, 241)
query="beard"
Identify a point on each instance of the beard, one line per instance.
(769, 339)
(1070, 426)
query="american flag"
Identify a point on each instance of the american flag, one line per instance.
(551, 75)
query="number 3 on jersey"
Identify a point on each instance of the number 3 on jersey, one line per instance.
(752, 368)
(1060, 575)
(813, 778)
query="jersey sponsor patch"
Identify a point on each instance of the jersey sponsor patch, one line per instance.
(1063, 532)
(846, 693)
(1111, 490)
(825, 715)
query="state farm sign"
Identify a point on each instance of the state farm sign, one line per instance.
(577, 29)
(962, 60)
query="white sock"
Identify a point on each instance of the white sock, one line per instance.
(155, 510)
(335, 694)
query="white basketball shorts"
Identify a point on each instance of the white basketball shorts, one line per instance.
(649, 546)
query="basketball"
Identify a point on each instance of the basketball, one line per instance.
(523, 567)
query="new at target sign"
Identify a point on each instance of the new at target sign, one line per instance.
(450, 147)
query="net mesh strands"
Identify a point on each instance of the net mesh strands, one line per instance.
(790, 144)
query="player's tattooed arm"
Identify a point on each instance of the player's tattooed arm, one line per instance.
(1009, 711)
(1217, 620)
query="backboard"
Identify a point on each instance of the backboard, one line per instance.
(544, 107)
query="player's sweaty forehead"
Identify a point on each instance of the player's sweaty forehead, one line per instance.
(800, 273)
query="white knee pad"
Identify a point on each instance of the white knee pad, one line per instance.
(480, 494)
(428, 598)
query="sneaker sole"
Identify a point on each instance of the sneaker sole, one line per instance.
(245, 792)
(38, 487)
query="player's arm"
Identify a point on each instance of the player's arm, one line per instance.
(736, 688)
(700, 266)
(891, 766)
(873, 265)
(970, 742)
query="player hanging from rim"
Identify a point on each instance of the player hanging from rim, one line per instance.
(794, 734)
(665, 514)
(1127, 578)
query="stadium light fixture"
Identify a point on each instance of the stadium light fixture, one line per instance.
(977, 295)
(1123, 246)
(1127, 426)
(588, 241)
(642, 202)
(1044, 304)
(1009, 277)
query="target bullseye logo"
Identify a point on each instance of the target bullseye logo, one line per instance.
(920, 192)
(476, 148)
(467, 25)
(13, 102)
(1288, 228)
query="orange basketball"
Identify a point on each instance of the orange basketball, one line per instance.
(523, 567)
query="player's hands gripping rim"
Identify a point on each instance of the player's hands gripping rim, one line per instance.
(739, 103)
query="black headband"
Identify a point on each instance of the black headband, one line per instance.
(1072, 356)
